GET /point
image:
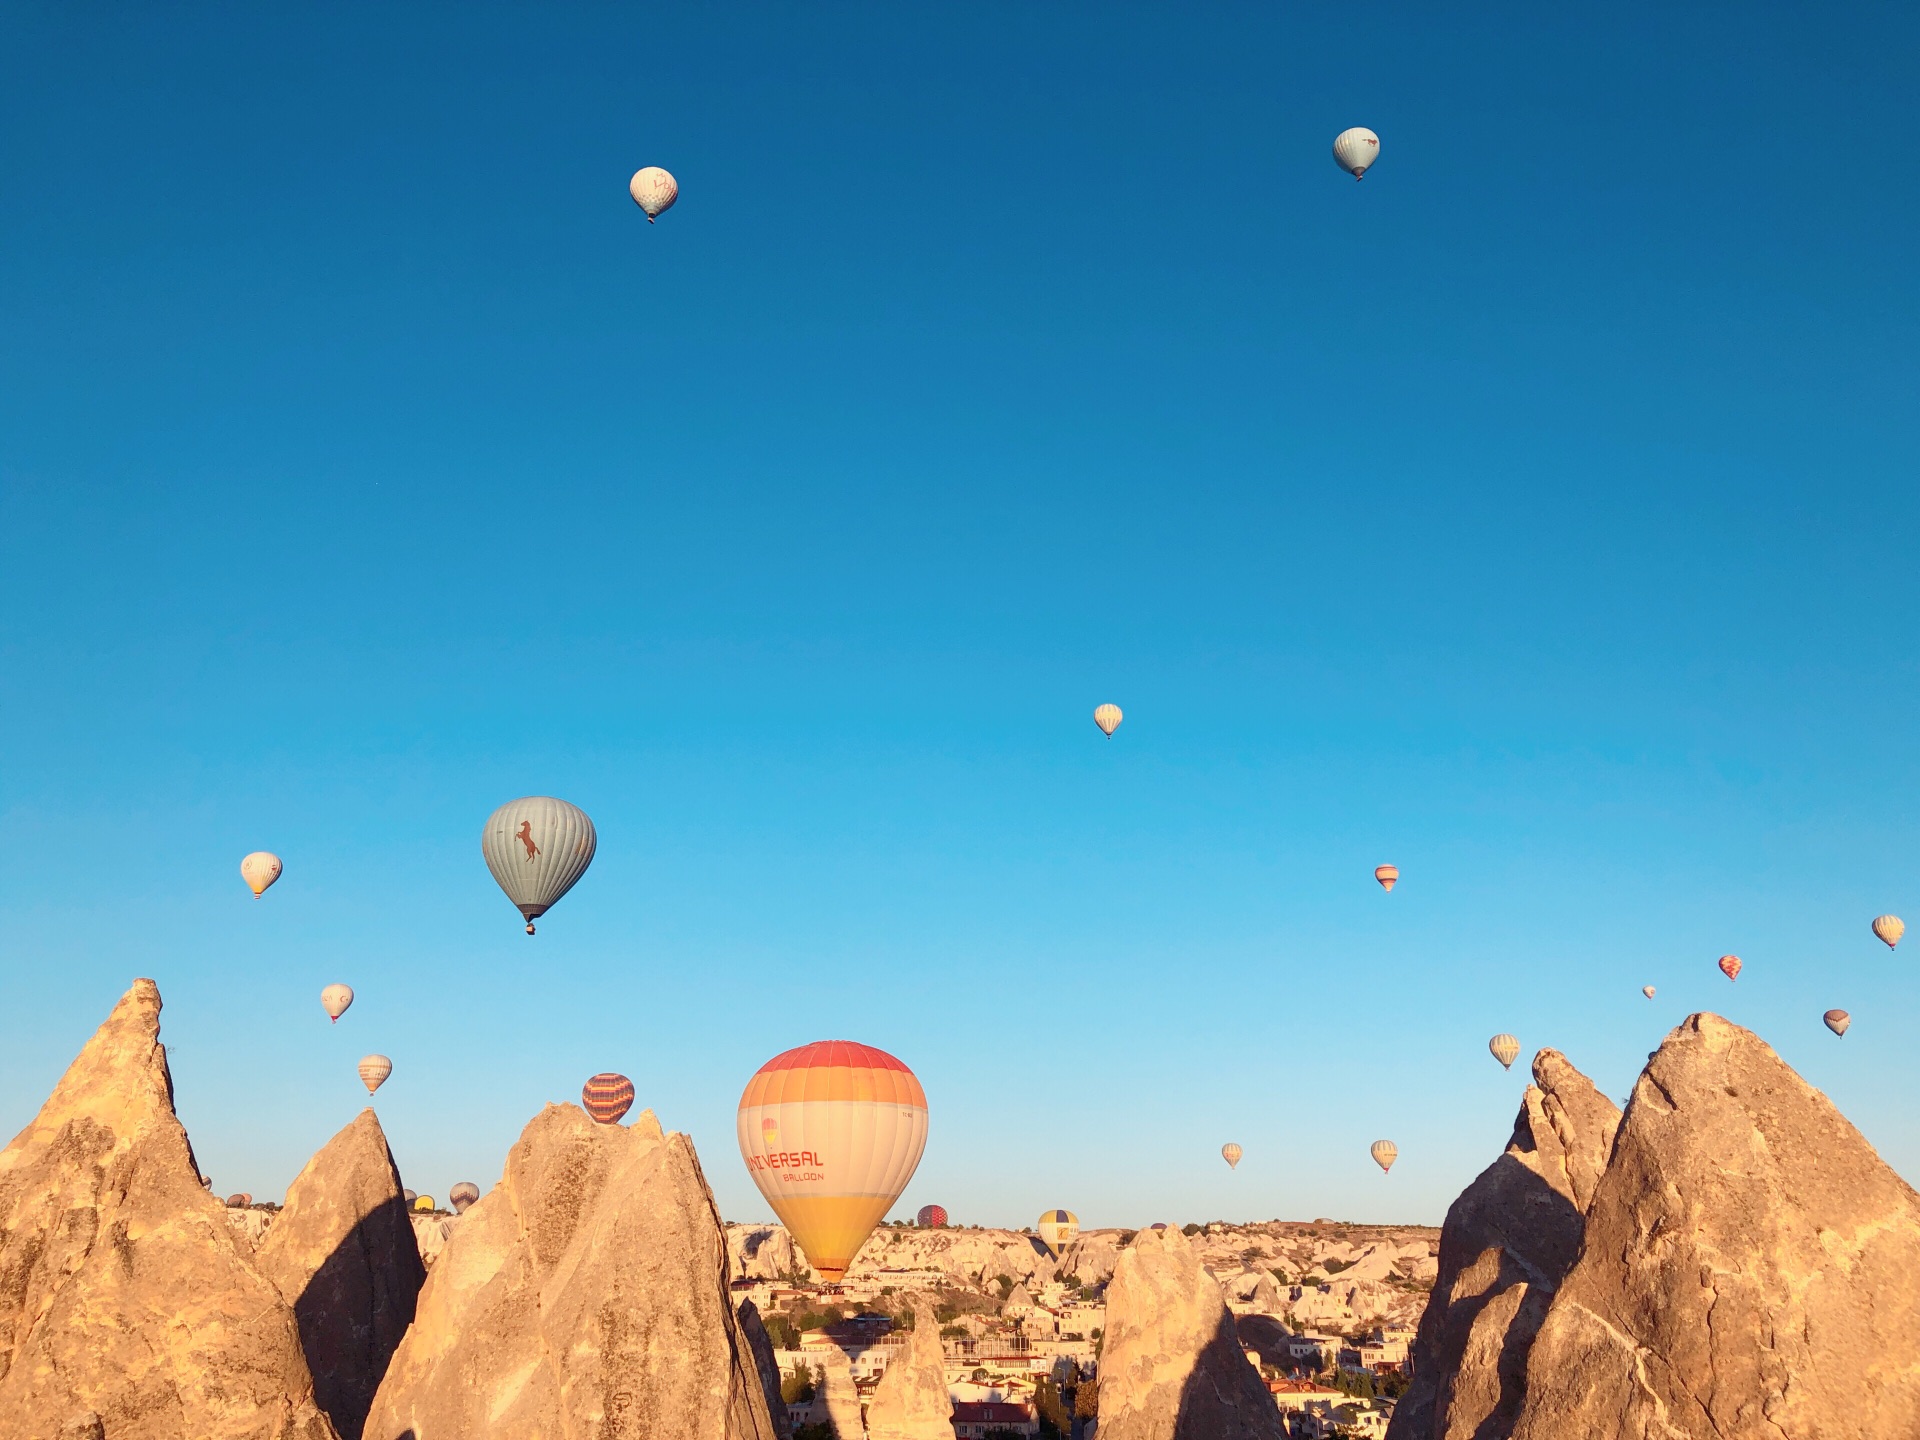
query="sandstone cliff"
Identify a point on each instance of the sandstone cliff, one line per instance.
(1172, 1368)
(129, 1309)
(1748, 1269)
(911, 1401)
(583, 1298)
(753, 1333)
(343, 1255)
(1507, 1244)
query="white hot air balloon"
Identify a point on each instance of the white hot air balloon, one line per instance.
(1231, 1153)
(1889, 928)
(1108, 718)
(654, 191)
(1505, 1049)
(1384, 1153)
(259, 870)
(1355, 150)
(374, 1070)
(335, 999)
(1648, 991)
(537, 847)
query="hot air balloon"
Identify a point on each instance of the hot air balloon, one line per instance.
(831, 1133)
(1231, 1153)
(1730, 966)
(206, 1182)
(240, 1201)
(1504, 1048)
(1058, 1229)
(462, 1195)
(1647, 990)
(259, 870)
(654, 191)
(931, 1217)
(1837, 1021)
(1387, 875)
(1108, 718)
(1890, 928)
(607, 1096)
(408, 1196)
(1355, 150)
(335, 999)
(537, 848)
(374, 1070)
(1384, 1153)
(423, 1203)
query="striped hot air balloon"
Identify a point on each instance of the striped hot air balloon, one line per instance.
(374, 1070)
(1384, 1153)
(1730, 966)
(1387, 875)
(607, 1096)
(831, 1133)
(1108, 718)
(1058, 1229)
(537, 847)
(463, 1194)
(1231, 1153)
(1890, 928)
(931, 1217)
(1505, 1049)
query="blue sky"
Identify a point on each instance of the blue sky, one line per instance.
(1535, 515)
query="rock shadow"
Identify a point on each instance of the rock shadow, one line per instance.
(354, 1311)
(1224, 1397)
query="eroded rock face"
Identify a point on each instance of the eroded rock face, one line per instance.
(1508, 1243)
(753, 1332)
(342, 1253)
(911, 1400)
(842, 1396)
(129, 1309)
(1172, 1368)
(583, 1298)
(1748, 1271)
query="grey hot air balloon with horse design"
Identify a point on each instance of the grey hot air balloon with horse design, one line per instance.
(537, 847)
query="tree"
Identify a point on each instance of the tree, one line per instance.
(1189, 1230)
(781, 1332)
(1054, 1419)
(1086, 1404)
(796, 1387)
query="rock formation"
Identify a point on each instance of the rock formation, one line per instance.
(1748, 1271)
(129, 1309)
(583, 1298)
(842, 1397)
(344, 1256)
(1508, 1242)
(760, 1345)
(911, 1401)
(1172, 1368)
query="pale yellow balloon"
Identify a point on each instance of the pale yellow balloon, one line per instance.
(1108, 718)
(259, 870)
(374, 1070)
(1384, 1153)
(1058, 1229)
(1505, 1049)
(654, 191)
(1231, 1153)
(1890, 928)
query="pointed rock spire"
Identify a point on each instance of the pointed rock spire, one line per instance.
(911, 1400)
(342, 1253)
(1748, 1267)
(127, 1302)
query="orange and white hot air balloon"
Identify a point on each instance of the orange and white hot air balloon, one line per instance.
(1890, 928)
(374, 1070)
(1730, 966)
(259, 870)
(1387, 875)
(1384, 1153)
(1231, 1153)
(831, 1133)
(1108, 718)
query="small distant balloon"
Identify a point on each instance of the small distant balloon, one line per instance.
(1108, 718)
(423, 1203)
(1890, 928)
(607, 1096)
(1505, 1049)
(1355, 150)
(1730, 966)
(462, 1195)
(654, 191)
(240, 1201)
(374, 1070)
(1384, 1153)
(931, 1217)
(335, 999)
(206, 1182)
(1387, 875)
(1058, 1229)
(1838, 1021)
(1647, 990)
(408, 1196)
(259, 870)
(1231, 1153)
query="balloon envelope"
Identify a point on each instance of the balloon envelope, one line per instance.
(1356, 149)
(1890, 928)
(335, 999)
(1730, 966)
(462, 1195)
(831, 1132)
(1231, 1153)
(653, 190)
(1505, 1049)
(239, 1202)
(537, 847)
(423, 1203)
(259, 870)
(1108, 718)
(1837, 1021)
(607, 1096)
(374, 1070)
(1387, 875)
(1384, 1153)
(1058, 1229)
(1647, 990)
(931, 1217)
